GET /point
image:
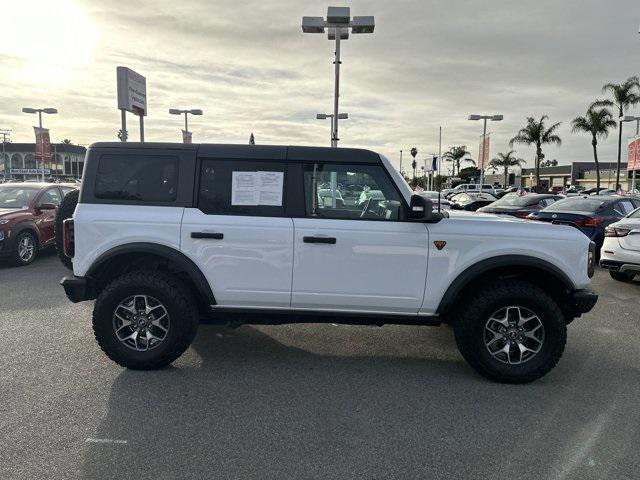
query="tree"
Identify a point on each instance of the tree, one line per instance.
(506, 161)
(597, 122)
(455, 155)
(66, 141)
(467, 173)
(624, 96)
(414, 164)
(536, 133)
(121, 134)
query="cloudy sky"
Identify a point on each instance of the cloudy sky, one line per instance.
(249, 67)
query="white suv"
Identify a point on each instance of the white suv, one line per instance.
(471, 188)
(165, 235)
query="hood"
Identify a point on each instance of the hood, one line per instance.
(490, 224)
(503, 208)
(10, 213)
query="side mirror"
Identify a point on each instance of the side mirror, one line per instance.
(47, 206)
(420, 209)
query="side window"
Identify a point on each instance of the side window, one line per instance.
(51, 196)
(242, 187)
(626, 206)
(350, 191)
(66, 190)
(137, 178)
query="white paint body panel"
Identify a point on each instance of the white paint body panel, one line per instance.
(374, 266)
(472, 237)
(251, 266)
(100, 228)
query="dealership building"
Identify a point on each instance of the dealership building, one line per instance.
(576, 173)
(17, 161)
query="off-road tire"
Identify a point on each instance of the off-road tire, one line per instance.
(622, 276)
(469, 323)
(15, 256)
(65, 210)
(172, 293)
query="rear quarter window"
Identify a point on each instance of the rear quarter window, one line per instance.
(137, 178)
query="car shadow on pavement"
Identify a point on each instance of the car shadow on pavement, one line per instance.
(246, 404)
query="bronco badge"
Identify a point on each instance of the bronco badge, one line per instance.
(439, 244)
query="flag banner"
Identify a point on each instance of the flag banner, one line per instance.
(43, 144)
(186, 136)
(633, 154)
(434, 164)
(483, 152)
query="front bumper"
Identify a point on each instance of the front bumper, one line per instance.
(582, 301)
(77, 289)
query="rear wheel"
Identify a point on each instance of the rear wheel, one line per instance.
(145, 320)
(65, 210)
(25, 248)
(622, 276)
(511, 332)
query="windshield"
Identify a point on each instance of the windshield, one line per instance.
(577, 204)
(16, 197)
(515, 201)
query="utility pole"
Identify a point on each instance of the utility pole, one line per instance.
(5, 133)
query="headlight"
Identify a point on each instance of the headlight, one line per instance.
(4, 222)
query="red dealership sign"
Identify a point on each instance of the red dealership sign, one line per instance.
(43, 144)
(633, 154)
(483, 152)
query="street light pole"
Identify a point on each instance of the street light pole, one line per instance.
(40, 111)
(493, 118)
(193, 111)
(332, 117)
(337, 23)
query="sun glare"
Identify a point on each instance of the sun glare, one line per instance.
(49, 39)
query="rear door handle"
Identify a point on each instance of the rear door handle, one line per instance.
(212, 235)
(330, 240)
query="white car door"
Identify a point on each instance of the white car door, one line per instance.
(238, 233)
(357, 257)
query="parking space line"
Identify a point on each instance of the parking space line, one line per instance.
(105, 440)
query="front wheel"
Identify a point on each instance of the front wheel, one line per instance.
(511, 332)
(145, 320)
(25, 249)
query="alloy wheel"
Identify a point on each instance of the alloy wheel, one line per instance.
(513, 335)
(26, 248)
(141, 322)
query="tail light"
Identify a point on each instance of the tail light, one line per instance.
(616, 232)
(67, 237)
(591, 259)
(589, 222)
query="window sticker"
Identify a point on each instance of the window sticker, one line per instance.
(257, 188)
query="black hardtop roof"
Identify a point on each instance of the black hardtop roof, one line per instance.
(241, 151)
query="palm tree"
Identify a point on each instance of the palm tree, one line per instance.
(414, 164)
(505, 161)
(597, 121)
(456, 155)
(624, 96)
(536, 133)
(66, 141)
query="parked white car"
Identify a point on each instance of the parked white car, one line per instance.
(620, 252)
(472, 188)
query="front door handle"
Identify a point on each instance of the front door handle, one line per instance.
(330, 240)
(212, 235)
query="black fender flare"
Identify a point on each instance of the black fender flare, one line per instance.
(472, 272)
(169, 253)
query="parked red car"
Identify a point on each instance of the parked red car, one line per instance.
(27, 214)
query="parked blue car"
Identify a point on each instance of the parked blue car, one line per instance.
(589, 213)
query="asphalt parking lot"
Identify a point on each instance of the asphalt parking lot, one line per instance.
(309, 401)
